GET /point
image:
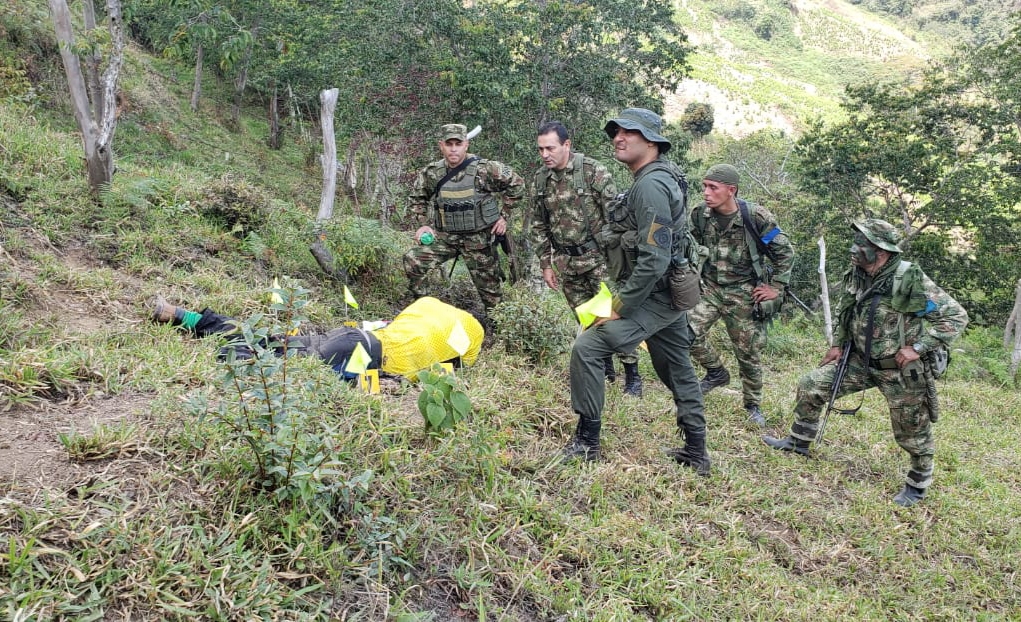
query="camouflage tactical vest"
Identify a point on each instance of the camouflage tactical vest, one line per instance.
(460, 208)
(542, 178)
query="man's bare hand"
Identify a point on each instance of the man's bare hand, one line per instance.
(423, 230)
(764, 292)
(499, 227)
(832, 354)
(600, 321)
(550, 277)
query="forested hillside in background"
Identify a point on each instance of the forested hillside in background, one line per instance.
(966, 22)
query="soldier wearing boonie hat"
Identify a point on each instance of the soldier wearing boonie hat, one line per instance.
(650, 219)
(739, 289)
(893, 318)
(461, 204)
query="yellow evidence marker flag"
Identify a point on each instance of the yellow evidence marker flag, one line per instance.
(359, 360)
(275, 297)
(349, 298)
(458, 339)
(600, 305)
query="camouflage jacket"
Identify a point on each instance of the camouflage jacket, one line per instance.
(566, 215)
(491, 177)
(730, 261)
(931, 317)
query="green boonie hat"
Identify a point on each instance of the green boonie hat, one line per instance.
(879, 232)
(723, 173)
(453, 130)
(645, 121)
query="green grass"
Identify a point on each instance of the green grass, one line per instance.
(162, 517)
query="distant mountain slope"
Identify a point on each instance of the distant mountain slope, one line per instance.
(773, 63)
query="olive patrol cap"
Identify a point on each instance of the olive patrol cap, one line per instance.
(645, 121)
(723, 173)
(453, 130)
(879, 232)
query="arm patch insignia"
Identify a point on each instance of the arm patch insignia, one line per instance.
(659, 235)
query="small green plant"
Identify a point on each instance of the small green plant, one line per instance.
(442, 403)
(105, 442)
(275, 414)
(538, 327)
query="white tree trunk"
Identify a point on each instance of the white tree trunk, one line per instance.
(328, 99)
(824, 293)
(97, 129)
(196, 89)
(1013, 332)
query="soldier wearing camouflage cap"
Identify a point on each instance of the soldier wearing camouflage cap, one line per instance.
(893, 318)
(461, 205)
(570, 198)
(748, 266)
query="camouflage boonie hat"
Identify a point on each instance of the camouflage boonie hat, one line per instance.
(645, 121)
(879, 232)
(723, 173)
(453, 130)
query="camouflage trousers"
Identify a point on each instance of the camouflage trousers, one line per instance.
(579, 288)
(747, 335)
(477, 250)
(909, 409)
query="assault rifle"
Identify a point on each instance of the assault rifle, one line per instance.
(838, 379)
(801, 303)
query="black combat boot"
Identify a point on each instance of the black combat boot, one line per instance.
(608, 368)
(585, 444)
(714, 377)
(790, 443)
(632, 381)
(693, 455)
(909, 496)
(755, 415)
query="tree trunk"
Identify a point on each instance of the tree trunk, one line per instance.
(92, 64)
(97, 130)
(196, 89)
(824, 293)
(328, 99)
(239, 89)
(1013, 333)
(274, 120)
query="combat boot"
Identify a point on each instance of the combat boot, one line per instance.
(693, 455)
(632, 381)
(755, 415)
(163, 311)
(790, 443)
(909, 496)
(610, 371)
(585, 444)
(714, 377)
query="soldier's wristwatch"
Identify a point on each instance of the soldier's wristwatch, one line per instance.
(918, 347)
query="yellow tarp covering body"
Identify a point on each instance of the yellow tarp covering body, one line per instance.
(419, 336)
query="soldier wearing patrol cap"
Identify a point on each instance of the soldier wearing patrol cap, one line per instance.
(893, 317)
(654, 212)
(461, 205)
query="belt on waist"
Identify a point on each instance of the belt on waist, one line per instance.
(579, 250)
(887, 363)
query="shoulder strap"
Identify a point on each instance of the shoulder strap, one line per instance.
(756, 247)
(898, 282)
(450, 174)
(579, 173)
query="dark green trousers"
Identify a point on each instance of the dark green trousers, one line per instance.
(668, 337)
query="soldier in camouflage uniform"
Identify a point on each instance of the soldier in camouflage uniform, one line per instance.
(909, 317)
(571, 194)
(642, 307)
(464, 216)
(735, 291)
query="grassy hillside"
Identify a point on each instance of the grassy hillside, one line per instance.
(124, 494)
(766, 64)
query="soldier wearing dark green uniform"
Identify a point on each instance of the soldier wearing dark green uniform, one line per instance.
(739, 285)
(463, 215)
(642, 311)
(894, 318)
(571, 196)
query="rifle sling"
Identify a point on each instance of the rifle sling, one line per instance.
(866, 355)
